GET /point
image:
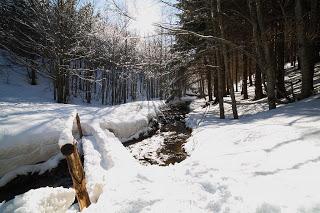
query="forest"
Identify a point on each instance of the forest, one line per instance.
(249, 42)
(83, 53)
(210, 47)
(194, 106)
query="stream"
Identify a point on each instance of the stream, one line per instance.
(56, 177)
(161, 145)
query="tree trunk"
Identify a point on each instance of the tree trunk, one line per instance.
(209, 79)
(236, 69)
(226, 67)
(270, 71)
(220, 86)
(245, 77)
(223, 76)
(315, 17)
(258, 84)
(250, 73)
(202, 94)
(33, 74)
(279, 49)
(304, 52)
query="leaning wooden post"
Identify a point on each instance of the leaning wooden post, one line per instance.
(77, 174)
(70, 151)
(79, 125)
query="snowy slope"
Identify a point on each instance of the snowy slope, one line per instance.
(15, 83)
(266, 162)
(272, 156)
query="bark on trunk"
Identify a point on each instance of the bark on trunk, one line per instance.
(304, 52)
(245, 77)
(209, 80)
(226, 67)
(270, 71)
(279, 49)
(220, 86)
(258, 84)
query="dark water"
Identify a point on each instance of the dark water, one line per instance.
(58, 176)
(171, 121)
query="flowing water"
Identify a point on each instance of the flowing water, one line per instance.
(168, 135)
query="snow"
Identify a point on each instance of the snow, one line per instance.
(128, 124)
(31, 125)
(273, 156)
(100, 157)
(46, 199)
(29, 132)
(66, 136)
(265, 162)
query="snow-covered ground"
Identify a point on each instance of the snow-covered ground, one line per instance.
(266, 162)
(272, 157)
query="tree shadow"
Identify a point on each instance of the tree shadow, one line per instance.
(277, 146)
(303, 109)
(294, 167)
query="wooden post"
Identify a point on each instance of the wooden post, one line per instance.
(79, 125)
(76, 171)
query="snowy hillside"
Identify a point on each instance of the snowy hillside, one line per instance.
(269, 161)
(266, 162)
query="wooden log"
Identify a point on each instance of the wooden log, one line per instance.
(79, 125)
(76, 171)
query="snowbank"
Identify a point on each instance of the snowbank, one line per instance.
(30, 132)
(130, 120)
(102, 153)
(42, 200)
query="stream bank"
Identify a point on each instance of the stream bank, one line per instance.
(56, 177)
(163, 144)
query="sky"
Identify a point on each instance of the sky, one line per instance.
(145, 13)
